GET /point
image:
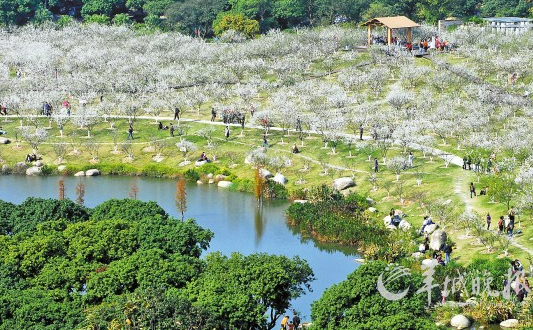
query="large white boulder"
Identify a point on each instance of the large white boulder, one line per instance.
(460, 322)
(429, 262)
(4, 140)
(220, 177)
(6, 169)
(387, 221)
(38, 163)
(92, 172)
(510, 323)
(224, 184)
(200, 163)
(430, 228)
(300, 201)
(61, 168)
(210, 176)
(372, 210)
(280, 178)
(343, 183)
(438, 238)
(34, 170)
(404, 225)
(417, 255)
(80, 173)
(263, 172)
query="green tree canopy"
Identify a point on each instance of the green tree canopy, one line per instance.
(127, 209)
(189, 15)
(250, 292)
(236, 22)
(357, 304)
(33, 210)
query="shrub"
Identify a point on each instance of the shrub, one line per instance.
(244, 185)
(191, 175)
(300, 193)
(492, 309)
(208, 168)
(335, 219)
(275, 190)
(157, 170)
(48, 170)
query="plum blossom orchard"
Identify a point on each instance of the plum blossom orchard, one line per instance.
(473, 102)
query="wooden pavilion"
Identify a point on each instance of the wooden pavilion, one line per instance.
(392, 23)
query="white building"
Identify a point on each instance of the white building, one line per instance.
(509, 25)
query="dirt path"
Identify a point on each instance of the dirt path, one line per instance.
(461, 190)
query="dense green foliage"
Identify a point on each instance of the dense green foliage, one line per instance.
(127, 209)
(330, 217)
(357, 304)
(250, 292)
(127, 263)
(192, 16)
(24, 218)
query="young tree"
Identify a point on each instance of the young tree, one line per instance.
(80, 193)
(127, 148)
(60, 149)
(34, 136)
(86, 116)
(397, 165)
(61, 189)
(186, 147)
(181, 197)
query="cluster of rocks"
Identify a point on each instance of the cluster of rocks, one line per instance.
(462, 322)
(219, 179)
(91, 172)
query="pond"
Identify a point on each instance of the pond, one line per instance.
(232, 216)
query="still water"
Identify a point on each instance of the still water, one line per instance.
(232, 216)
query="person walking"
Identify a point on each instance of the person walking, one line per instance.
(472, 189)
(265, 141)
(500, 224)
(213, 114)
(243, 120)
(285, 322)
(226, 132)
(295, 320)
(177, 113)
(411, 158)
(130, 132)
(376, 164)
(447, 253)
(171, 130)
(488, 221)
(361, 132)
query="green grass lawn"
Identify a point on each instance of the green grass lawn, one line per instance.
(437, 181)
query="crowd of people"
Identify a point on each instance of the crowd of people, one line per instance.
(423, 46)
(288, 324)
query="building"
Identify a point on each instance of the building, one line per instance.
(509, 25)
(449, 22)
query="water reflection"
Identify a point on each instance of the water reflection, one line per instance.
(238, 225)
(259, 224)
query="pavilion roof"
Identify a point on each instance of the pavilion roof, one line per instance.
(396, 22)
